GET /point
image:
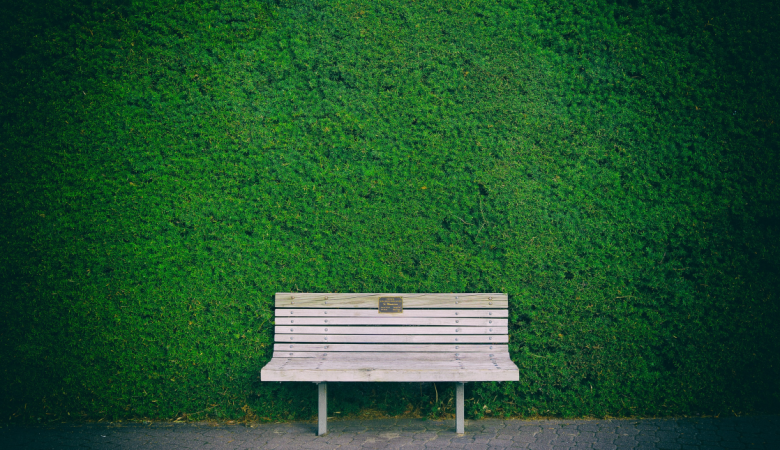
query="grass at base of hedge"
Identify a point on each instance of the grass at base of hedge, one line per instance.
(167, 167)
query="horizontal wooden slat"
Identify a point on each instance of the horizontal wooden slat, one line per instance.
(409, 356)
(306, 312)
(388, 330)
(453, 374)
(307, 364)
(415, 366)
(480, 348)
(399, 338)
(429, 356)
(430, 321)
(382, 361)
(371, 300)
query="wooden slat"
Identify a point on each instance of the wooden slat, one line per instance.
(382, 358)
(430, 321)
(283, 363)
(306, 312)
(380, 361)
(379, 367)
(371, 300)
(390, 375)
(400, 338)
(396, 356)
(481, 348)
(455, 365)
(375, 361)
(390, 355)
(289, 329)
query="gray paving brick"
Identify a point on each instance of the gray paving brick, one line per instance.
(541, 446)
(668, 445)
(581, 446)
(688, 440)
(643, 437)
(710, 447)
(524, 439)
(478, 447)
(625, 442)
(645, 446)
(604, 446)
(438, 443)
(730, 444)
(708, 436)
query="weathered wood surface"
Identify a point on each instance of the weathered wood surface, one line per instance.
(431, 321)
(390, 375)
(325, 371)
(437, 337)
(438, 301)
(322, 407)
(316, 364)
(385, 355)
(399, 338)
(395, 360)
(403, 348)
(459, 425)
(344, 312)
(457, 330)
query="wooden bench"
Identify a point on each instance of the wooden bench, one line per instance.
(390, 337)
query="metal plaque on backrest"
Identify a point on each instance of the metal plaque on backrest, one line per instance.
(391, 305)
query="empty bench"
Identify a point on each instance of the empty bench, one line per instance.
(390, 337)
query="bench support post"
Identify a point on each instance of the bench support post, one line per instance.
(459, 408)
(322, 389)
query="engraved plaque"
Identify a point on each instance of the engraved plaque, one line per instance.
(392, 305)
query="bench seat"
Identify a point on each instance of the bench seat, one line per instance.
(400, 367)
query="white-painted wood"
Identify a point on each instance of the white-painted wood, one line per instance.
(437, 337)
(431, 321)
(389, 330)
(418, 374)
(400, 338)
(319, 362)
(363, 300)
(459, 425)
(283, 354)
(325, 364)
(344, 312)
(396, 358)
(371, 364)
(402, 348)
(322, 409)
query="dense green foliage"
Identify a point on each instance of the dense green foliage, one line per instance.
(167, 167)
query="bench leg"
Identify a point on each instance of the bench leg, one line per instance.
(459, 408)
(322, 389)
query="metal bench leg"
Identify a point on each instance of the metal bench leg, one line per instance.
(323, 408)
(459, 408)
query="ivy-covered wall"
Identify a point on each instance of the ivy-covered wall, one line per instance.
(166, 167)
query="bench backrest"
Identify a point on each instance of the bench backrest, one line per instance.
(467, 323)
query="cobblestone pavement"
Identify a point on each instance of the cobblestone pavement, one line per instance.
(760, 432)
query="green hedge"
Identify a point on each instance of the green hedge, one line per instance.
(168, 166)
